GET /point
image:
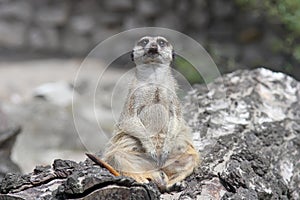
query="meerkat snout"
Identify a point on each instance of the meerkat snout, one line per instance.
(153, 50)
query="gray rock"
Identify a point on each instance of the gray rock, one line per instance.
(134, 22)
(118, 5)
(221, 31)
(227, 50)
(168, 20)
(4, 122)
(246, 127)
(54, 121)
(12, 34)
(250, 136)
(90, 7)
(101, 34)
(76, 43)
(43, 38)
(198, 19)
(108, 19)
(55, 14)
(70, 180)
(58, 93)
(82, 24)
(8, 135)
(183, 7)
(148, 8)
(20, 10)
(222, 9)
(253, 55)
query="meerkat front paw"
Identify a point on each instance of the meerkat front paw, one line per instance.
(164, 155)
(156, 176)
(153, 154)
(151, 151)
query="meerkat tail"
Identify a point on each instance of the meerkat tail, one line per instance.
(102, 164)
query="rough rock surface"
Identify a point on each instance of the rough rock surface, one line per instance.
(71, 180)
(249, 140)
(246, 126)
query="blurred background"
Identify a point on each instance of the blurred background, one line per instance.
(42, 44)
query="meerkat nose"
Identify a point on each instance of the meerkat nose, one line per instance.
(153, 46)
(153, 49)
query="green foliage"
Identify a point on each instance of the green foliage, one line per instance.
(187, 70)
(287, 11)
(296, 52)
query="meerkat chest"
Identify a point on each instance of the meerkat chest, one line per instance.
(153, 110)
(152, 95)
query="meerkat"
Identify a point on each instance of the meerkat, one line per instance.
(152, 141)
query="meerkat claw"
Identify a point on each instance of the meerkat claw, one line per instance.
(153, 155)
(163, 158)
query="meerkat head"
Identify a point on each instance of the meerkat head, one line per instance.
(152, 50)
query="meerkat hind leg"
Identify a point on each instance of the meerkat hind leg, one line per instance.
(126, 156)
(178, 167)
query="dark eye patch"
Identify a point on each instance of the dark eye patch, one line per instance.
(162, 43)
(143, 42)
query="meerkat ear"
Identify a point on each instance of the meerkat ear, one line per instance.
(131, 55)
(173, 55)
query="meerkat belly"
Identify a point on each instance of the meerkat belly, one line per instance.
(155, 118)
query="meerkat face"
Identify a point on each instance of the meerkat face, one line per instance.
(152, 50)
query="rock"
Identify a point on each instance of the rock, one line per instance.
(19, 10)
(12, 34)
(252, 55)
(222, 9)
(198, 19)
(108, 20)
(183, 7)
(43, 38)
(100, 35)
(87, 7)
(227, 50)
(248, 138)
(68, 179)
(246, 127)
(82, 24)
(54, 14)
(54, 131)
(118, 5)
(168, 20)
(133, 22)
(8, 135)
(221, 31)
(148, 8)
(76, 43)
(59, 93)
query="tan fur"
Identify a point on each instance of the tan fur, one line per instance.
(152, 141)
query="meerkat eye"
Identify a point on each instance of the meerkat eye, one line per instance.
(143, 42)
(162, 42)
